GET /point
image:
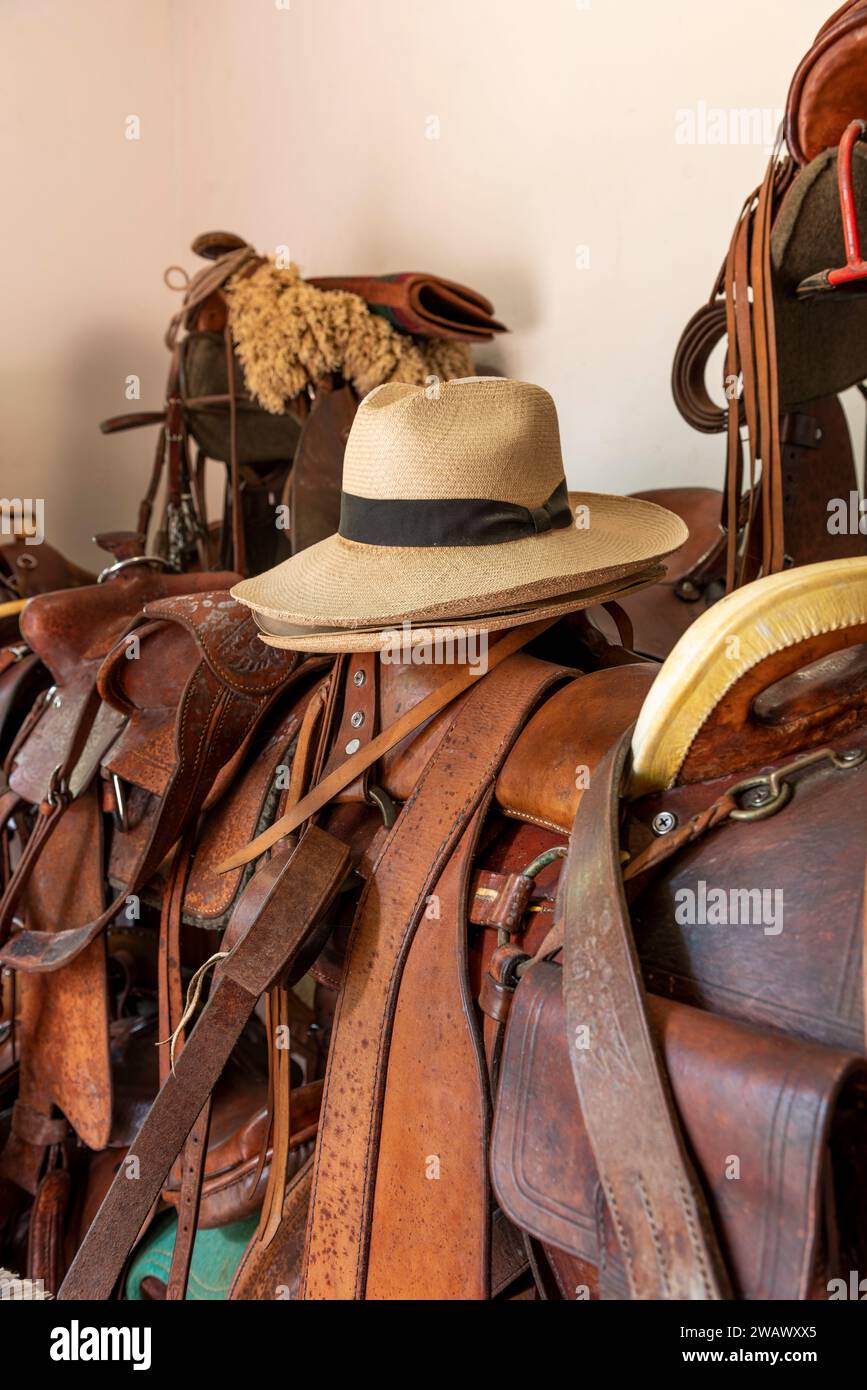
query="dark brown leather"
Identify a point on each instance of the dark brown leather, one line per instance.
(760, 1115)
(317, 469)
(283, 902)
(781, 981)
(233, 681)
(273, 1271)
(423, 305)
(27, 570)
(45, 1258)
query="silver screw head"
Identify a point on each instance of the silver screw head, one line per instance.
(663, 823)
(359, 678)
(757, 796)
(356, 719)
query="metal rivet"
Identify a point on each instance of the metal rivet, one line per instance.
(757, 796)
(852, 755)
(356, 719)
(663, 823)
(359, 677)
(57, 702)
(353, 745)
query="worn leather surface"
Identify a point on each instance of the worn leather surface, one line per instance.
(568, 737)
(65, 1025)
(806, 979)
(281, 905)
(741, 1093)
(388, 914)
(430, 1229)
(231, 682)
(71, 631)
(273, 1271)
(663, 1225)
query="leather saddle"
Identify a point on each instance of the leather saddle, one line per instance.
(790, 353)
(285, 454)
(452, 964)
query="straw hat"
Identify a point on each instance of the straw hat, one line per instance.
(455, 509)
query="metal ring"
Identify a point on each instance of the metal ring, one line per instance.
(780, 798)
(172, 285)
(155, 562)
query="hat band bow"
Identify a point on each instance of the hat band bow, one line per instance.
(448, 521)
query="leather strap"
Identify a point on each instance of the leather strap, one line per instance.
(277, 912)
(653, 1196)
(358, 762)
(189, 1201)
(430, 1231)
(419, 846)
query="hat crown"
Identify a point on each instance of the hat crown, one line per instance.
(475, 437)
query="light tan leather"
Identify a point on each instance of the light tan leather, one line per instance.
(568, 737)
(430, 1229)
(388, 913)
(357, 763)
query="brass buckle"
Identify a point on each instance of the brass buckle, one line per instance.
(532, 871)
(780, 790)
(58, 788)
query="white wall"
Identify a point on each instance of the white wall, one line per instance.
(308, 125)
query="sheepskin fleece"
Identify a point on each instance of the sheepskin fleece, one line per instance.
(288, 335)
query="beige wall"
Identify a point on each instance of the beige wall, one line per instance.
(308, 125)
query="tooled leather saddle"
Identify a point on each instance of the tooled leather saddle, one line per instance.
(422, 898)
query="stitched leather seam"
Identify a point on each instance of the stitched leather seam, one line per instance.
(552, 676)
(473, 799)
(534, 820)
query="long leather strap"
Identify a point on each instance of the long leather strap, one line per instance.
(358, 762)
(415, 853)
(277, 911)
(430, 1230)
(654, 1198)
(189, 1200)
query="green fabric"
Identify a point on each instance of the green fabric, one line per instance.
(216, 1255)
(262, 437)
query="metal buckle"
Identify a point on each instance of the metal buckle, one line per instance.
(58, 788)
(387, 808)
(779, 789)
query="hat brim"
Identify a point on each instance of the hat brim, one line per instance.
(340, 583)
(403, 638)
